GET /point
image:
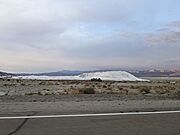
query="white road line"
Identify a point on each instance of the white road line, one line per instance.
(89, 115)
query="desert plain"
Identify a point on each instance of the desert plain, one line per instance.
(38, 97)
(155, 88)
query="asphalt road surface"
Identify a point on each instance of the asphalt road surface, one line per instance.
(151, 124)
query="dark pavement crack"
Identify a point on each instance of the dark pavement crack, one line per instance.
(19, 127)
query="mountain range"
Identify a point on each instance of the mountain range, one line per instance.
(142, 73)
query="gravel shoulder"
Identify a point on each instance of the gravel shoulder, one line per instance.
(76, 107)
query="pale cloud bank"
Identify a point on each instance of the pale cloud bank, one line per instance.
(48, 35)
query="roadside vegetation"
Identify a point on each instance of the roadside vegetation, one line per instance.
(165, 88)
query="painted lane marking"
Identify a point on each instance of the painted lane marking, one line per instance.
(90, 115)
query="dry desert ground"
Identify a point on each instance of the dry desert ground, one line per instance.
(155, 88)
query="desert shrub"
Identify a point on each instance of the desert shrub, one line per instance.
(17, 80)
(64, 83)
(41, 83)
(87, 85)
(96, 79)
(87, 91)
(72, 91)
(111, 82)
(110, 88)
(144, 90)
(111, 92)
(29, 94)
(132, 87)
(104, 86)
(23, 84)
(109, 85)
(93, 86)
(46, 89)
(5, 85)
(39, 93)
(120, 88)
(11, 84)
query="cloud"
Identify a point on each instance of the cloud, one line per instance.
(175, 24)
(163, 38)
(41, 23)
(48, 34)
(168, 35)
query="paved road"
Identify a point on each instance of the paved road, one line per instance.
(154, 124)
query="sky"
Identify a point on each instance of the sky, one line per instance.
(53, 35)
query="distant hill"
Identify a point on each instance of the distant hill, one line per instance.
(156, 73)
(6, 74)
(58, 73)
(143, 73)
(62, 73)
